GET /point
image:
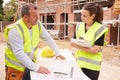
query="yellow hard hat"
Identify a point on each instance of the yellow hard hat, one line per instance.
(47, 52)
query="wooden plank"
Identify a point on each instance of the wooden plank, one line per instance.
(116, 7)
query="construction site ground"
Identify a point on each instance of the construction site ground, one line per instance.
(110, 66)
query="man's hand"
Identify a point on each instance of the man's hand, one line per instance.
(43, 70)
(60, 57)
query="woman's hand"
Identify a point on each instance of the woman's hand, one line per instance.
(74, 45)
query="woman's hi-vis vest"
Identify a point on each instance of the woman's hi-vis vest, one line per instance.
(30, 43)
(86, 59)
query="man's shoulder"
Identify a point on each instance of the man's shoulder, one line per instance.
(10, 25)
(13, 31)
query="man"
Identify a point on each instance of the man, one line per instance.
(22, 42)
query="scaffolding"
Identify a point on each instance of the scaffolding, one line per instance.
(116, 10)
(64, 4)
(47, 9)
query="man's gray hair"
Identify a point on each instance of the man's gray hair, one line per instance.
(26, 8)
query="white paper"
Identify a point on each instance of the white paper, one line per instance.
(62, 66)
(81, 42)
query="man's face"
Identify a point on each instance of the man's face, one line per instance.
(33, 17)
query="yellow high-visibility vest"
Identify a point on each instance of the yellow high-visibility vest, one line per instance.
(86, 59)
(29, 43)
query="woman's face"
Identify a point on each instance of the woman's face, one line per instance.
(86, 17)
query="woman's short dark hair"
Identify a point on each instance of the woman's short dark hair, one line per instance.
(26, 8)
(96, 9)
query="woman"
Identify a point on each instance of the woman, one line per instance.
(91, 30)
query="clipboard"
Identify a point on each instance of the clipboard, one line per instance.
(81, 42)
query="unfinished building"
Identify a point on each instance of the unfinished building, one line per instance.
(60, 16)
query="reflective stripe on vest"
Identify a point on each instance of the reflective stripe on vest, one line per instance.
(13, 62)
(21, 29)
(31, 55)
(89, 60)
(28, 53)
(99, 31)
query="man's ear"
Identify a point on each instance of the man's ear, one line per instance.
(25, 16)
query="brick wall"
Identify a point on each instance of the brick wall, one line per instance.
(112, 34)
(59, 10)
(108, 14)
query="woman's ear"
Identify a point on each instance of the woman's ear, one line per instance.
(93, 15)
